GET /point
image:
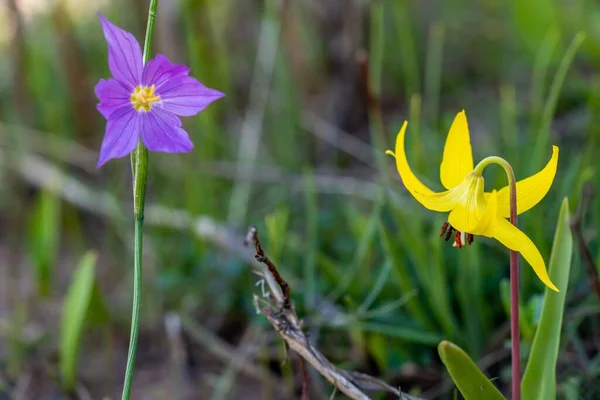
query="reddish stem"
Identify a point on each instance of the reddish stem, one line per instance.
(514, 274)
(514, 303)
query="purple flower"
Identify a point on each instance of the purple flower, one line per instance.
(144, 101)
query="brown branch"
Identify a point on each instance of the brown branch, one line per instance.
(263, 258)
(577, 229)
(21, 93)
(362, 59)
(282, 316)
(304, 372)
(373, 97)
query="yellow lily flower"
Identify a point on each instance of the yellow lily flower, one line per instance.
(472, 210)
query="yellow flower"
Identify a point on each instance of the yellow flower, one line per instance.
(472, 210)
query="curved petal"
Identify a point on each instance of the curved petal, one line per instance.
(124, 54)
(159, 70)
(471, 207)
(485, 227)
(457, 161)
(112, 95)
(530, 191)
(161, 131)
(411, 182)
(510, 236)
(122, 134)
(442, 202)
(184, 95)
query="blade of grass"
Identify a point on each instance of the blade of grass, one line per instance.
(277, 227)
(508, 120)
(381, 280)
(539, 77)
(372, 70)
(433, 71)
(401, 275)
(407, 48)
(588, 160)
(252, 126)
(285, 114)
(415, 143)
(541, 143)
(44, 238)
(526, 325)
(471, 299)
(412, 335)
(312, 235)
(532, 19)
(389, 307)
(539, 379)
(363, 248)
(437, 288)
(74, 310)
(204, 25)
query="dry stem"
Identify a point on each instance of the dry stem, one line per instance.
(577, 229)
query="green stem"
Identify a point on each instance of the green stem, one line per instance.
(139, 169)
(150, 30)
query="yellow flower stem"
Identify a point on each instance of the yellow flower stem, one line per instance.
(514, 274)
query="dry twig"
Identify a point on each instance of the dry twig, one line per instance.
(282, 316)
(304, 372)
(577, 229)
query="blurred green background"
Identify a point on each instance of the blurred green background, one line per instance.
(315, 93)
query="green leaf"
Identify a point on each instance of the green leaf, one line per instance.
(277, 227)
(311, 202)
(97, 314)
(472, 383)
(74, 311)
(44, 238)
(539, 380)
(533, 19)
(527, 318)
(543, 137)
(378, 349)
(413, 335)
(401, 274)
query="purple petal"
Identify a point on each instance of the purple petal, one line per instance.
(161, 131)
(184, 95)
(122, 134)
(124, 54)
(159, 70)
(112, 95)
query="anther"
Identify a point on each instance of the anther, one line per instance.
(449, 233)
(444, 227)
(457, 240)
(469, 238)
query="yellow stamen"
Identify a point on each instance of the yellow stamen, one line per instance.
(143, 97)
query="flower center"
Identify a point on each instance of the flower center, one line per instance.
(143, 97)
(459, 237)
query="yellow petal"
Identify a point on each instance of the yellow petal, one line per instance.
(470, 206)
(488, 219)
(412, 183)
(457, 161)
(529, 190)
(510, 236)
(443, 201)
